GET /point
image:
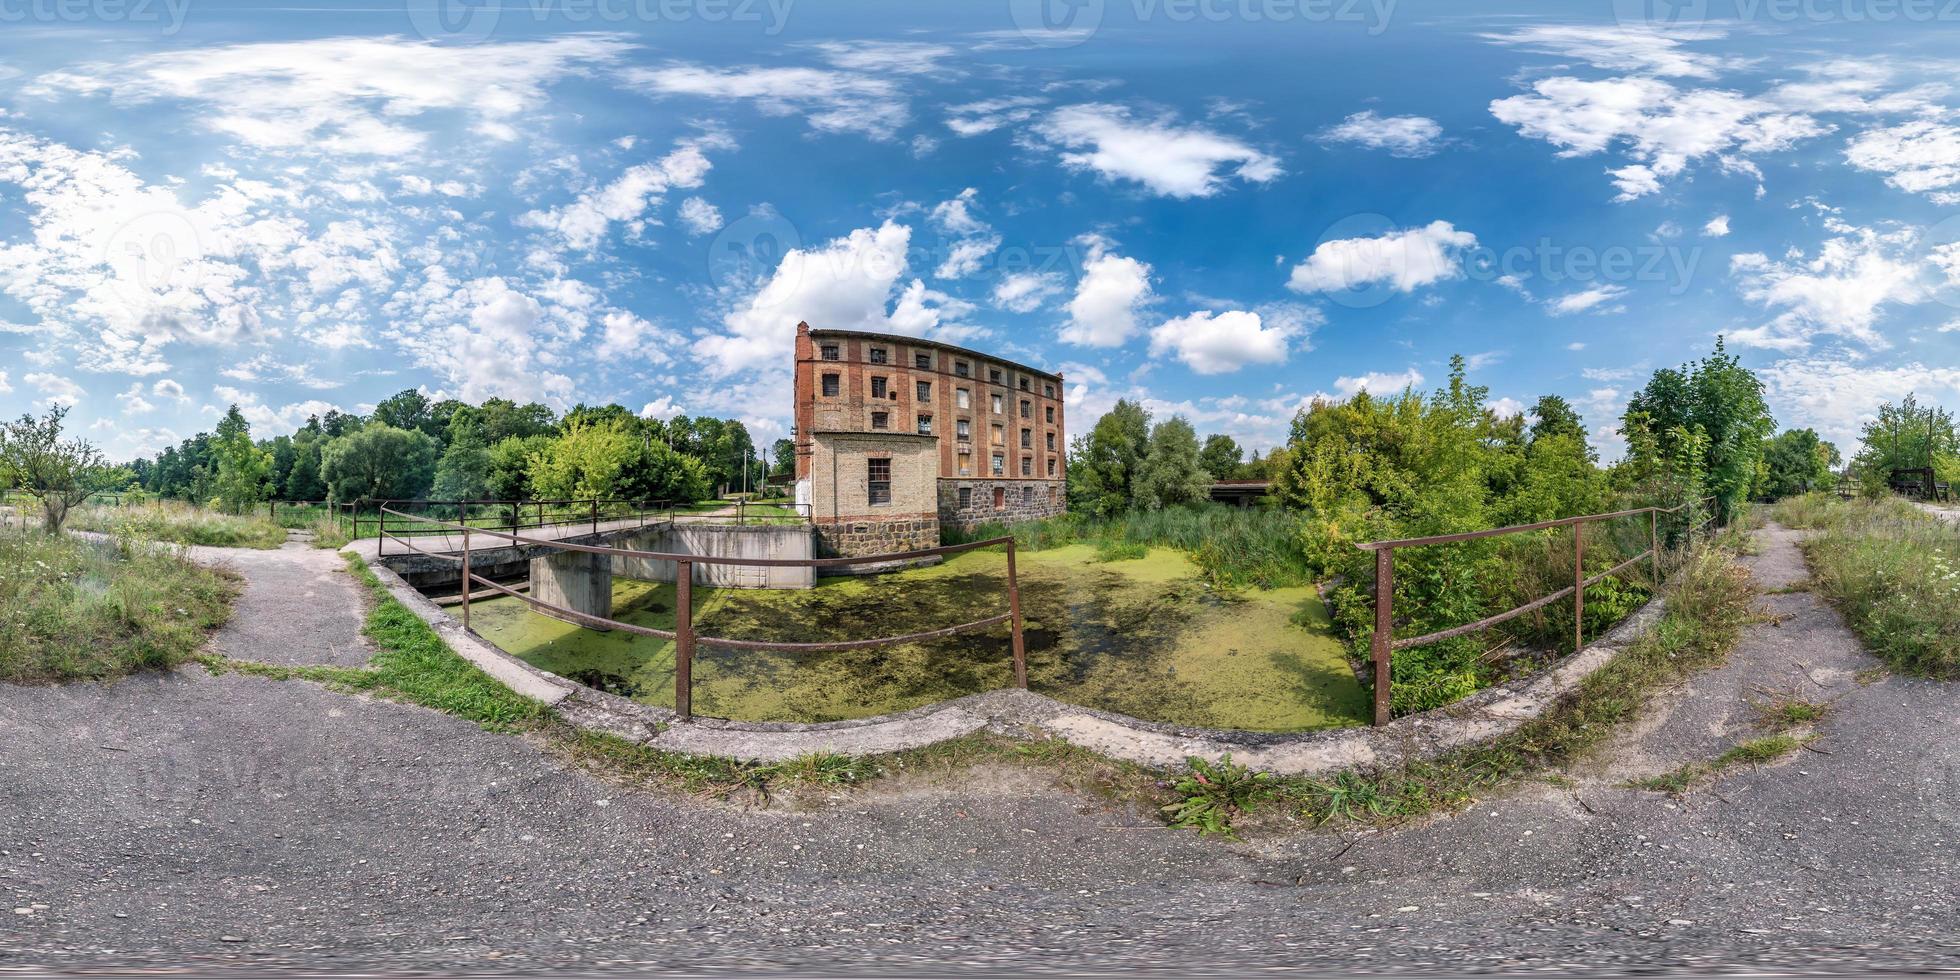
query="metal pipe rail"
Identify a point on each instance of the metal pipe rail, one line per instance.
(1384, 644)
(510, 514)
(683, 634)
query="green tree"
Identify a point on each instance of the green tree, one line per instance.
(1103, 466)
(244, 472)
(587, 460)
(1797, 461)
(463, 472)
(303, 481)
(379, 462)
(658, 473)
(1552, 415)
(1172, 472)
(1221, 457)
(1708, 417)
(409, 409)
(783, 454)
(55, 471)
(510, 466)
(1906, 436)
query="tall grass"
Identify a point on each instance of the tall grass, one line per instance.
(76, 609)
(1234, 546)
(177, 522)
(1893, 570)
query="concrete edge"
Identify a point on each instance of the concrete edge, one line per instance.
(1484, 716)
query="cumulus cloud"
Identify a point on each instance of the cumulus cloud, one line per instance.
(584, 222)
(1920, 157)
(1717, 227)
(1836, 393)
(1222, 343)
(1168, 158)
(1629, 49)
(987, 115)
(55, 389)
(973, 239)
(1025, 292)
(699, 216)
(829, 100)
(1378, 383)
(1402, 136)
(488, 339)
(627, 336)
(1113, 290)
(1402, 260)
(1843, 289)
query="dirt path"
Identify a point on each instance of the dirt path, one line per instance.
(246, 823)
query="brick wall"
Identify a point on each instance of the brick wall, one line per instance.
(1017, 503)
(848, 524)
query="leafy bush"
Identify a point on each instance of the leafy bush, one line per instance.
(1234, 546)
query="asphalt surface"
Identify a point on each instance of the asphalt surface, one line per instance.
(254, 825)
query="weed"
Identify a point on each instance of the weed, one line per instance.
(1894, 571)
(1758, 751)
(1214, 794)
(1790, 711)
(176, 522)
(1676, 781)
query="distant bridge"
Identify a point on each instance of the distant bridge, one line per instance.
(1240, 493)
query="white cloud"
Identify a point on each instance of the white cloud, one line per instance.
(1489, 358)
(974, 239)
(55, 389)
(1025, 292)
(1836, 394)
(829, 101)
(584, 222)
(1630, 49)
(629, 336)
(1171, 160)
(1402, 136)
(1920, 157)
(1222, 343)
(488, 339)
(663, 407)
(895, 57)
(1663, 128)
(347, 95)
(1378, 383)
(1113, 290)
(166, 388)
(699, 216)
(133, 402)
(1602, 300)
(987, 115)
(1717, 227)
(5, 388)
(1842, 290)
(1403, 260)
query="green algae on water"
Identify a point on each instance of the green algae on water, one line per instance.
(1142, 636)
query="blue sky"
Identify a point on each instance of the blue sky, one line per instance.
(1222, 208)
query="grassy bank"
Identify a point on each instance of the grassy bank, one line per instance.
(1232, 546)
(1893, 571)
(73, 609)
(176, 522)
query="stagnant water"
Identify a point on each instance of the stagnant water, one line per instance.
(1144, 637)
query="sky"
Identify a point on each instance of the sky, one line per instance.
(1223, 208)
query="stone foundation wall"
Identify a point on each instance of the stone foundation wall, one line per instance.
(857, 538)
(1047, 499)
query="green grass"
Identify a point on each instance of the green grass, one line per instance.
(1755, 752)
(74, 609)
(177, 522)
(1893, 571)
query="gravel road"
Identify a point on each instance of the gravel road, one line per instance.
(239, 823)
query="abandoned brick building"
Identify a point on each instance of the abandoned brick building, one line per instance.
(898, 436)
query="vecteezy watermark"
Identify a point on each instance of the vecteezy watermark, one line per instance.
(1065, 23)
(471, 21)
(153, 254)
(167, 13)
(750, 248)
(1364, 260)
(1939, 249)
(1687, 19)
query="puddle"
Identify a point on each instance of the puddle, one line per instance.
(1143, 637)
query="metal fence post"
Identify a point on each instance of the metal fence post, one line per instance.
(466, 577)
(1654, 544)
(1383, 642)
(1578, 586)
(595, 515)
(1014, 610)
(684, 640)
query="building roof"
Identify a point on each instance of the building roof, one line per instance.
(922, 342)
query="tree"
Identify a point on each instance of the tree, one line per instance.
(379, 462)
(1103, 467)
(409, 409)
(510, 466)
(53, 470)
(1552, 416)
(463, 473)
(244, 471)
(1906, 436)
(1171, 473)
(1796, 462)
(303, 482)
(1708, 417)
(1221, 457)
(658, 473)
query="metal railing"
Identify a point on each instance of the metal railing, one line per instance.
(683, 634)
(513, 516)
(1384, 644)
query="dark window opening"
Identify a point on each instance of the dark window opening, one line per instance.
(1027, 466)
(877, 387)
(922, 360)
(963, 430)
(1048, 391)
(1000, 495)
(1024, 384)
(966, 497)
(993, 375)
(1027, 438)
(878, 482)
(960, 368)
(925, 425)
(877, 355)
(830, 384)
(1027, 409)
(829, 352)
(1051, 413)
(1051, 442)
(881, 420)
(925, 391)
(1027, 495)
(1051, 468)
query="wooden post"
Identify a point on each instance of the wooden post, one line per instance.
(466, 578)
(1014, 611)
(1578, 586)
(1383, 643)
(1654, 544)
(684, 640)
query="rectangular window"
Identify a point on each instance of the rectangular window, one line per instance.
(925, 391)
(966, 467)
(922, 360)
(877, 355)
(1000, 497)
(962, 398)
(878, 481)
(1027, 438)
(993, 375)
(1051, 414)
(877, 387)
(1027, 466)
(966, 497)
(1000, 465)
(998, 410)
(1027, 495)
(1051, 469)
(960, 368)
(830, 382)
(963, 430)
(925, 425)
(1047, 391)
(1024, 384)
(1000, 436)
(829, 352)
(881, 420)
(1051, 442)
(1027, 409)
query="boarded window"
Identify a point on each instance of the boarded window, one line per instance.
(830, 383)
(963, 398)
(1000, 496)
(878, 481)
(881, 420)
(1000, 436)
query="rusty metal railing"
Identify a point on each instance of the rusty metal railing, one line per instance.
(683, 634)
(518, 515)
(1383, 645)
